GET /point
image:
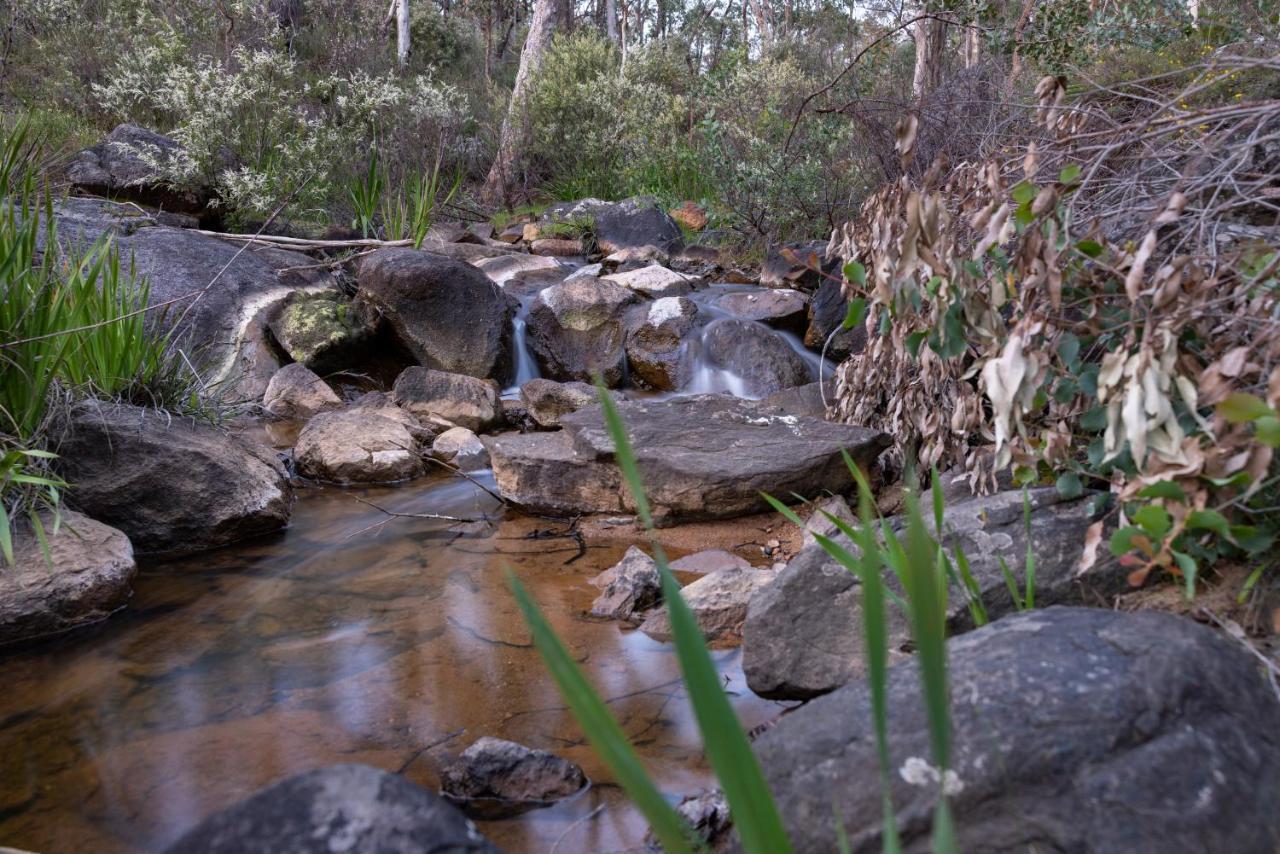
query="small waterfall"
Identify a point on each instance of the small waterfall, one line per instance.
(526, 365)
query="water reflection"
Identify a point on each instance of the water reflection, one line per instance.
(342, 640)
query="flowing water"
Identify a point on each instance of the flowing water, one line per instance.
(351, 637)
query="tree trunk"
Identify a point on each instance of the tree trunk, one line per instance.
(930, 35)
(611, 20)
(972, 46)
(516, 126)
(402, 33)
(564, 10)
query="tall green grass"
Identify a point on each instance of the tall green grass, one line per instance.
(72, 324)
(913, 559)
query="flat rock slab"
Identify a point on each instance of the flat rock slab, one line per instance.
(1073, 729)
(701, 457)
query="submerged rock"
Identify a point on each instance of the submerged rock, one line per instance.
(84, 578)
(577, 329)
(463, 400)
(628, 587)
(447, 314)
(548, 401)
(718, 601)
(701, 457)
(708, 561)
(803, 636)
(363, 444)
(708, 814)
(131, 163)
(1072, 729)
(762, 359)
(295, 391)
(496, 769)
(347, 808)
(656, 345)
(170, 483)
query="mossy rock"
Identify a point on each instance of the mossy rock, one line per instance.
(325, 331)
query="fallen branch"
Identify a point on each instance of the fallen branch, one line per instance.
(391, 514)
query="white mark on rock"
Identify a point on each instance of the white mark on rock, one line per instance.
(917, 771)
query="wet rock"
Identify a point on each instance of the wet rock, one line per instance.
(557, 247)
(764, 361)
(781, 308)
(496, 769)
(1073, 729)
(349, 808)
(295, 391)
(469, 253)
(458, 398)
(362, 444)
(804, 635)
(718, 601)
(505, 267)
(577, 329)
(460, 446)
(548, 401)
(512, 234)
(628, 587)
(692, 216)
(448, 314)
(826, 313)
(589, 271)
(171, 484)
(655, 346)
(778, 271)
(708, 814)
(126, 165)
(637, 221)
(803, 400)
(653, 281)
(708, 561)
(702, 457)
(516, 414)
(223, 328)
(325, 331)
(85, 577)
(637, 256)
(819, 522)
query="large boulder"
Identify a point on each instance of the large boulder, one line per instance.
(296, 391)
(170, 483)
(83, 579)
(325, 331)
(804, 636)
(762, 360)
(653, 281)
(547, 401)
(578, 328)
(463, 400)
(656, 345)
(503, 268)
(348, 808)
(220, 294)
(131, 163)
(363, 444)
(701, 457)
(781, 308)
(826, 314)
(460, 446)
(447, 314)
(718, 601)
(1072, 729)
(628, 587)
(496, 769)
(634, 222)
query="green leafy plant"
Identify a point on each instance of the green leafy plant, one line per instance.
(409, 214)
(366, 197)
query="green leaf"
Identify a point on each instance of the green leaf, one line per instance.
(914, 340)
(1187, 564)
(1024, 193)
(855, 273)
(6, 535)
(1122, 540)
(1251, 539)
(1089, 248)
(1154, 520)
(1024, 475)
(1239, 408)
(1209, 520)
(1098, 503)
(1069, 174)
(1166, 489)
(1095, 420)
(1069, 485)
(1267, 429)
(602, 730)
(856, 314)
(1069, 349)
